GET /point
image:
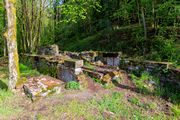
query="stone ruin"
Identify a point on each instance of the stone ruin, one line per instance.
(71, 66)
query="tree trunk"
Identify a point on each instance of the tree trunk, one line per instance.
(10, 35)
(4, 25)
(145, 29)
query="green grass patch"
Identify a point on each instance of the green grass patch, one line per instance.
(7, 107)
(146, 83)
(176, 111)
(26, 71)
(137, 102)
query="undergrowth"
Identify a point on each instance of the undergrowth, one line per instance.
(72, 85)
(149, 84)
(26, 71)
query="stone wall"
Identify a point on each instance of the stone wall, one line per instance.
(61, 67)
(67, 65)
(164, 70)
(42, 63)
(48, 50)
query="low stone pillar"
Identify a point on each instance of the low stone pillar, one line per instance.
(70, 69)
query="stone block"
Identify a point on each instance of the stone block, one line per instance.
(48, 50)
(73, 63)
(67, 74)
(41, 86)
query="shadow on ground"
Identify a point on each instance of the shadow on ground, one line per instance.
(3, 86)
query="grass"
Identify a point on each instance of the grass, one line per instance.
(137, 102)
(146, 83)
(167, 91)
(7, 107)
(72, 85)
(109, 107)
(176, 111)
(26, 71)
(140, 82)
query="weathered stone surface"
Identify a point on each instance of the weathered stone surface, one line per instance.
(89, 55)
(94, 74)
(106, 75)
(107, 78)
(49, 50)
(73, 63)
(42, 86)
(73, 55)
(68, 74)
(98, 63)
(109, 58)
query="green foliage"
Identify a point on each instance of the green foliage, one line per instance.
(89, 65)
(75, 10)
(1, 27)
(169, 92)
(143, 82)
(165, 90)
(97, 80)
(176, 110)
(137, 102)
(26, 71)
(109, 86)
(72, 85)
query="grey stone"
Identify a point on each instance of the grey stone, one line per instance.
(66, 74)
(73, 63)
(48, 50)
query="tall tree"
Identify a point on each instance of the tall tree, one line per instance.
(10, 35)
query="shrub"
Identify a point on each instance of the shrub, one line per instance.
(72, 85)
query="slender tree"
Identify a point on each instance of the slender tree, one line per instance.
(10, 35)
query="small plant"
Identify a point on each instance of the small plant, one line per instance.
(176, 111)
(97, 80)
(72, 85)
(152, 105)
(137, 102)
(145, 83)
(108, 86)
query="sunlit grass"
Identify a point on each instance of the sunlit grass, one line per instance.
(7, 106)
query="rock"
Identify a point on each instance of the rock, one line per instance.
(107, 78)
(73, 55)
(73, 63)
(94, 74)
(114, 74)
(48, 50)
(89, 55)
(68, 74)
(99, 63)
(41, 86)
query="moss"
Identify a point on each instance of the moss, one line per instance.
(21, 81)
